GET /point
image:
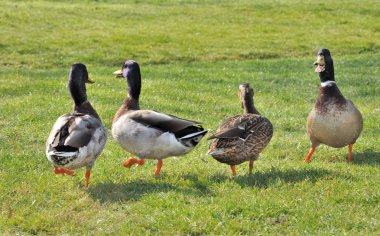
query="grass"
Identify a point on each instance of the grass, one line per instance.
(193, 56)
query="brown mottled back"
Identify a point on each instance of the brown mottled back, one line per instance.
(254, 131)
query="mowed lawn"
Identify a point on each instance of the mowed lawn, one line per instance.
(193, 56)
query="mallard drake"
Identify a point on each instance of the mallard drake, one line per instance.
(149, 134)
(241, 138)
(334, 120)
(77, 138)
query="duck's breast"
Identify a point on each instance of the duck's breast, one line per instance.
(338, 125)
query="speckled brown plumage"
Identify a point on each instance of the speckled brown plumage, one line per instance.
(241, 138)
(252, 135)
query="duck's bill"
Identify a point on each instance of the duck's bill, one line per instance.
(319, 69)
(118, 73)
(90, 81)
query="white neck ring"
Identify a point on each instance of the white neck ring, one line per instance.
(327, 83)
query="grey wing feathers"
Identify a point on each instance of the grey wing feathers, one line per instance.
(167, 123)
(76, 130)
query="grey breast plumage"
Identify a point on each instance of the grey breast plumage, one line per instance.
(241, 138)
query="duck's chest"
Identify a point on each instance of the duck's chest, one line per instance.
(335, 125)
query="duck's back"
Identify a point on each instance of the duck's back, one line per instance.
(76, 140)
(249, 135)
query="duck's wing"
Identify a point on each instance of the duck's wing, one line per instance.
(240, 127)
(73, 130)
(164, 122)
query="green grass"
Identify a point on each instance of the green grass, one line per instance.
(193, 56)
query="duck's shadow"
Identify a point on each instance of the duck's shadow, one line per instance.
(275, 177)
(367, 157)
(134, 190)
(201, 187)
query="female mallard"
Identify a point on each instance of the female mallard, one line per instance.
(77, 138)
(334, 120)
(150, 134)
(241, 138)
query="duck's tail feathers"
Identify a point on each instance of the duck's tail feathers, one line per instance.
(192, 135)
(62, 154)
(191, 140)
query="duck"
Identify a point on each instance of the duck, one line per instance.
(243, 137)
(334, 120)
(77, 138)
(149, 134)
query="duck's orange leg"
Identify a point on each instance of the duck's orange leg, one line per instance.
(88, 173)
(349, 157)
(307, 159)
(233, 169)
(158, 169)
(128, 163)
(250, 166)
(63, 171)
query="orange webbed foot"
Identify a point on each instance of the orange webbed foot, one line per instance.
(63, 171)
(131, 161)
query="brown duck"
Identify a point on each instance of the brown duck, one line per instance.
(334, 120)
(241, 138)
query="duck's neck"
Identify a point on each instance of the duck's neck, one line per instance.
(328, 73)
(328, 86)
(77, 91)
(131, 102)
(330, 89)
(248, 106)
(128, 104)
(86, 108)
(134, 84)
(329, 93)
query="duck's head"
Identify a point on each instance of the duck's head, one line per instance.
(129, 68)
(131, 72)
(324, 65)
(246, 98)
(76, 83)
(245, 92)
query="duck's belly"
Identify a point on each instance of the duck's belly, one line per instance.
(335, 127)
(145, 142)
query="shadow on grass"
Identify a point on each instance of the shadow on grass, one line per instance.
(368, 157)
(278, 177)
(192, 185)
(131, 191)
(120, 192)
